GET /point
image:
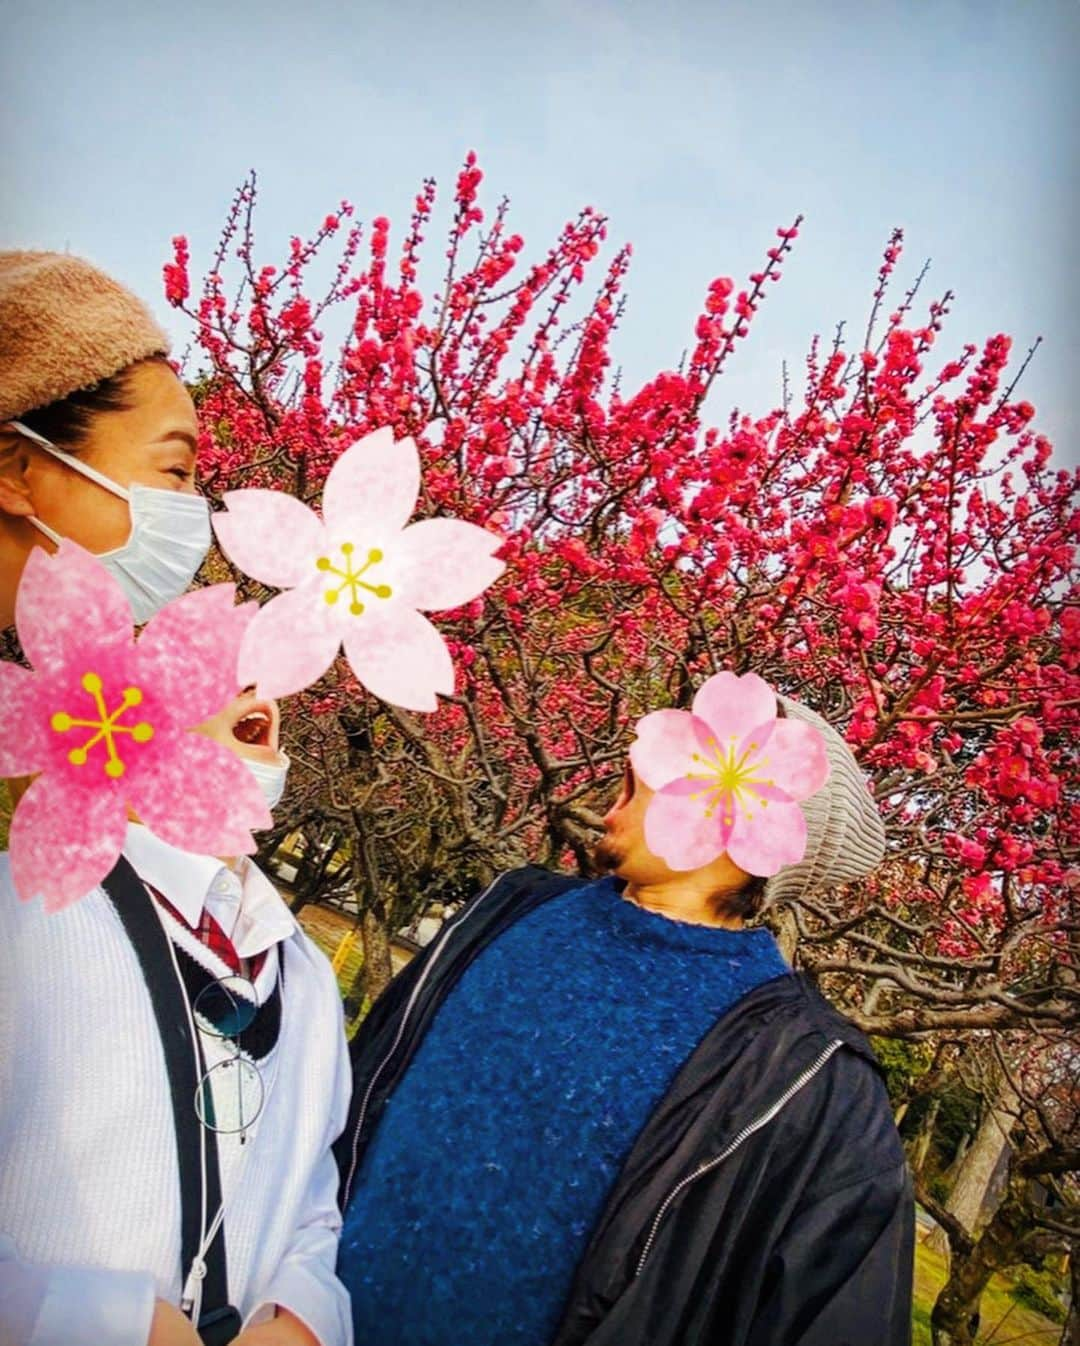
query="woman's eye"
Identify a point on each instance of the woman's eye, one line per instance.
(180, 473)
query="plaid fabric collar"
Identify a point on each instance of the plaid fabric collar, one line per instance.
(209, 933)
(245, 906)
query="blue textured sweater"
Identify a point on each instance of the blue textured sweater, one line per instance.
(495, 1153)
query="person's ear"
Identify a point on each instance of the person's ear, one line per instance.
(15, 497)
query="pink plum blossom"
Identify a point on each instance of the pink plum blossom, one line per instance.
(103, 724)
(358, 577)
(728, 776)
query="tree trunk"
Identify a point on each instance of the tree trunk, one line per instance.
(953, 1171)
(378, 969)
(1007, 1240)
(980, 1162)
(312, 876)
(299, 902)
(873, 996)
(921, 1148)
(1070, 1333)
(954, 1318)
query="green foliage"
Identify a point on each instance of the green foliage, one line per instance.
(957, 1117)
(1038, 1290)
(938, 1186)
(903, 1063)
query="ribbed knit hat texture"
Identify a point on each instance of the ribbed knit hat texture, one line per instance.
(65, 326)
(845, 834)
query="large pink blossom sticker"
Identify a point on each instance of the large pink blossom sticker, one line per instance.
(728, 776)
(357, 577)
(103, 724)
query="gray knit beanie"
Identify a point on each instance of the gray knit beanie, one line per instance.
(845, 834)
(65, 326)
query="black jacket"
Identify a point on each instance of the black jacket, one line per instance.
(766, 1202)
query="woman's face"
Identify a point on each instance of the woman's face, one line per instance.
(150, 440)
(150, 443)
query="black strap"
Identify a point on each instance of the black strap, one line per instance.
(184, 1063)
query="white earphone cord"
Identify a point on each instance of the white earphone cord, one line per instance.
(191, 1296)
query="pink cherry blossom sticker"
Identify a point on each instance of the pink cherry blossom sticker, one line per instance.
(728, 775)
(360, 577)
(103, 722)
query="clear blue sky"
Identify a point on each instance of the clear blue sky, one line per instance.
(698, 127)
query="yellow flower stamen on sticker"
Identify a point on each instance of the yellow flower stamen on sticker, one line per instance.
(106, 725)
(731, 778)
(350, 578)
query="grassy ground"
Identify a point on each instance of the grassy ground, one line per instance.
(1002, 1319)
(328, 928)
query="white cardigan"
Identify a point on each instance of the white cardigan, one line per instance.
(89, 1200)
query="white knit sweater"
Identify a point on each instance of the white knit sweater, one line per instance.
(89, 1200)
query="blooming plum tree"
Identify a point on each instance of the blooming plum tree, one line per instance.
(895, 546)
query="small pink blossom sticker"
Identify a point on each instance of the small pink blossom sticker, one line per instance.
(728, 776)
(359, 577)
(103, 724)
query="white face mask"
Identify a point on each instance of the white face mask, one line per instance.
(169, 539)
(270, 779)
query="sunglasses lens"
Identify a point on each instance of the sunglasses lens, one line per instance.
(226, 1007)
(229, 1096)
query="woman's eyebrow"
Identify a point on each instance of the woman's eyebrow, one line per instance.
(184, 435)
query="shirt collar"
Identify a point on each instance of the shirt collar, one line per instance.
(193, 882)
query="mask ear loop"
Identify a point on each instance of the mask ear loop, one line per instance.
(76, 464)
(54, 537)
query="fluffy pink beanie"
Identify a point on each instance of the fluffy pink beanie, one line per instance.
(65, 326)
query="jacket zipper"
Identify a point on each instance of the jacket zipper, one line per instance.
(401, 1032)
(761, 1120)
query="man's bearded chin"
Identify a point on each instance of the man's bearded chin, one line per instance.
(606, 856)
